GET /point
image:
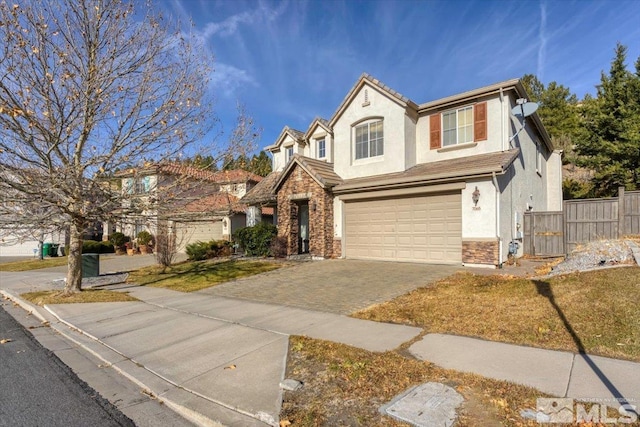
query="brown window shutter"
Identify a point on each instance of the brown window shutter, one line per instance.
(434, 131)
(480, 121)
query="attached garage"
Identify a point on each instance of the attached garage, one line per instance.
(425, 228)
(203, 231)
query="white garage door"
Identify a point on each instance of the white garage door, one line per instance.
(416, 229)
(198, 231)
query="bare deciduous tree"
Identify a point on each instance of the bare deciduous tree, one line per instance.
(87, 86)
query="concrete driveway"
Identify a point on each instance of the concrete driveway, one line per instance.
(337, 286)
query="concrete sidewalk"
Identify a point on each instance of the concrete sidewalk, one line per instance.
(212, 359)
(218, 359)
(558, 373)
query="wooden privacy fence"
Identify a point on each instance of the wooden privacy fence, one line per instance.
(581, 221)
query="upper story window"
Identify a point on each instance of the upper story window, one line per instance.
(289, 153)
(140, 185)
(322, 149)
(538, 158)
(459, 126)
(369, 140)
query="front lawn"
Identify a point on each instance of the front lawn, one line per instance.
(196, 275)
(596, 312)
(87, 295)
(33, 264)
(345, 386)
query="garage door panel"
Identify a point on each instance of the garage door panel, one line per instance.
(419, 229)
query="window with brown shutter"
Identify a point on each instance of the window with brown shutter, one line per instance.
(434, 131)
(480, 121)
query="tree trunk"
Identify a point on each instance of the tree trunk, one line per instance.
(74, 271)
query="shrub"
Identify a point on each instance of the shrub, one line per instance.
(206, 250)
(144, 237)
(279, 247)
(197, 251)
(118, 239)
(95, 247)
(256, 240)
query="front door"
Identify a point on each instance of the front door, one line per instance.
(303, 228)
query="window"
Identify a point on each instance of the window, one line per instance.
(538, 158)
(457, 126)
(369, 140)
(289, 153)
(322, 149)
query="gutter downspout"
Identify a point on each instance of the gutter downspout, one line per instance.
(501, 121)
(495, 184)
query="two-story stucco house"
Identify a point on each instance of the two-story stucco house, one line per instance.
(385, 178)
(200, 205)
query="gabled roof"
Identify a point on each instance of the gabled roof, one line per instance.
(366, 79)
(321, 171)
(318, 122)
(295, 134)
(217, 203)
(513, 84)
(263, 193)
(444, 170)
(233, 176)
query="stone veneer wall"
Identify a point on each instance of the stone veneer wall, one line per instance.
(297, 184)
(481, 252)
(337, 247)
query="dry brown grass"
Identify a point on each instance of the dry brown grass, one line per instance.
(87, 295)
(345, 386)
(33, 264)
(593, 311)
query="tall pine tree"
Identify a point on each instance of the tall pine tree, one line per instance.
(611, 143)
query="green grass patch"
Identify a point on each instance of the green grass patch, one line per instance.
(595, 311)
(88, 295)
(33, 264)
(197, 275)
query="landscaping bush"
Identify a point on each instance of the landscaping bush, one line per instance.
(256, 240)
(95, 247)
(197, 251)
(207, 250)
(144, 237)
(118, 239)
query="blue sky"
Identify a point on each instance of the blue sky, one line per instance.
(290, 61)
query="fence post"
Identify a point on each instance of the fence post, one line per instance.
(621, 213)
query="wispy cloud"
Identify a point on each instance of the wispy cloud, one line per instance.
(229, 79)
(542, 39)
(230, 25)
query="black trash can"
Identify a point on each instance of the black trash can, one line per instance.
(90, 265)
(53, 250)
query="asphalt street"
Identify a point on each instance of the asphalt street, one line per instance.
(37, 389)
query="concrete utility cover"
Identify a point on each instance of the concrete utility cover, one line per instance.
(429, 404)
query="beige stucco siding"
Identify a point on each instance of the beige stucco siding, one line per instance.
(395, 138)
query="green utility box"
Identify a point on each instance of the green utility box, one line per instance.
(46, 248)
(90, 265)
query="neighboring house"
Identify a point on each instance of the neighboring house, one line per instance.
(199, 205)
(446, 181)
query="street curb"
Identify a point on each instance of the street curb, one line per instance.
(26, 306)
(193, 416)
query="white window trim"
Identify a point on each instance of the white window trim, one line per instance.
(318, 140)
(288, 156)
(369, 159)
(457, 111)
